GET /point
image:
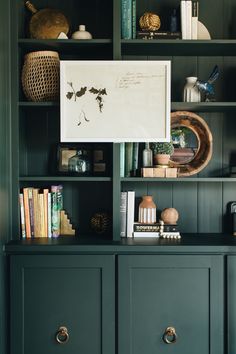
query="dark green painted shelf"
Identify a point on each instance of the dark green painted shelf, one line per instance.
(68, 46)
(175, 106)
(64, 179)
(203, 106)
(124, 179)
(178, 47)
(177, 180)
(38, 104)
(189, 243)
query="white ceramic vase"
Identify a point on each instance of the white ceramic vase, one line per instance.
(81, 33)
(147, 210)
(191, 92)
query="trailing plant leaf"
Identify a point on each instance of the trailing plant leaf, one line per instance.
(94, 91)
(69, 95)
(81, 92)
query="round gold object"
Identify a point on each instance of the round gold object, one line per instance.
(46, 23)
(170, 216)
(150, 22)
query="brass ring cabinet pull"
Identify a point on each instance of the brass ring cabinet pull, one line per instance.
(62, 335)
(170, 335)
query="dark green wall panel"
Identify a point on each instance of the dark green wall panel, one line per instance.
(210, 207)
(185, 201)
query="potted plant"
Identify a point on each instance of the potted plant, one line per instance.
(162, 152)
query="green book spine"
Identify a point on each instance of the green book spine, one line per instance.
(57, 205)
(128, 159)
(135, 156)
(126, 19)
(122, 159)
(133, 19)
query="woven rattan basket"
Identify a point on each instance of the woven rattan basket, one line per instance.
(41, 76)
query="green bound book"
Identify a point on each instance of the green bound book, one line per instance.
(128, 159)
(57, 205)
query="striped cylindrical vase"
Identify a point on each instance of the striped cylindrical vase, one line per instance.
(147, 210)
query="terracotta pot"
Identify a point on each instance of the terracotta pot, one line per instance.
(161, 159)
(147, 210)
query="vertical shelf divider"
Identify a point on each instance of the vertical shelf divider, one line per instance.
(116, 191)
(116, 187)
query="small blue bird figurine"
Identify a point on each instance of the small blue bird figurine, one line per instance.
(206, 87)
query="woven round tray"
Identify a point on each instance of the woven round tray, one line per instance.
(41, 76)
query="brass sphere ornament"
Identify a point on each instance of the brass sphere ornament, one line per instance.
(170, 216)
(150, 22)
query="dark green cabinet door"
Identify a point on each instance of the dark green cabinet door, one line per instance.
(161, 291)
(49, 292)
(231, 304)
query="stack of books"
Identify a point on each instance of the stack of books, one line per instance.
(189, 18)
(128, 19)
(158, 35)
(40, 211)
(153, 230)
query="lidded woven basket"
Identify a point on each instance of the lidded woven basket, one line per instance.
(41, 76)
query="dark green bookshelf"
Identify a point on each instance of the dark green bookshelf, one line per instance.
(204, 257)
(36, 125)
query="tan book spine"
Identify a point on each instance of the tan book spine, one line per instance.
(41, 213)
(36, 213)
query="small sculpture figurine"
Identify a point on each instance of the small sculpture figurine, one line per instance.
(206, 86)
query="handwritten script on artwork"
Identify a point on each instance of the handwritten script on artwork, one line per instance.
(132, 79)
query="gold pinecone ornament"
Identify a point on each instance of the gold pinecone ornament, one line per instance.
(100, 223)
(150, 22)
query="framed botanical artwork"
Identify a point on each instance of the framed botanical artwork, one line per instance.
(115, 101)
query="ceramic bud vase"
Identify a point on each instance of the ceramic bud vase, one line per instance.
(147, 210)
(81, 33)
(191, 92)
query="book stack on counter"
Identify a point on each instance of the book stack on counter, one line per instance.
(189, 18)
(154, 230)
(128, 19)
(158, 35)
(40, 211)
(129, 228)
